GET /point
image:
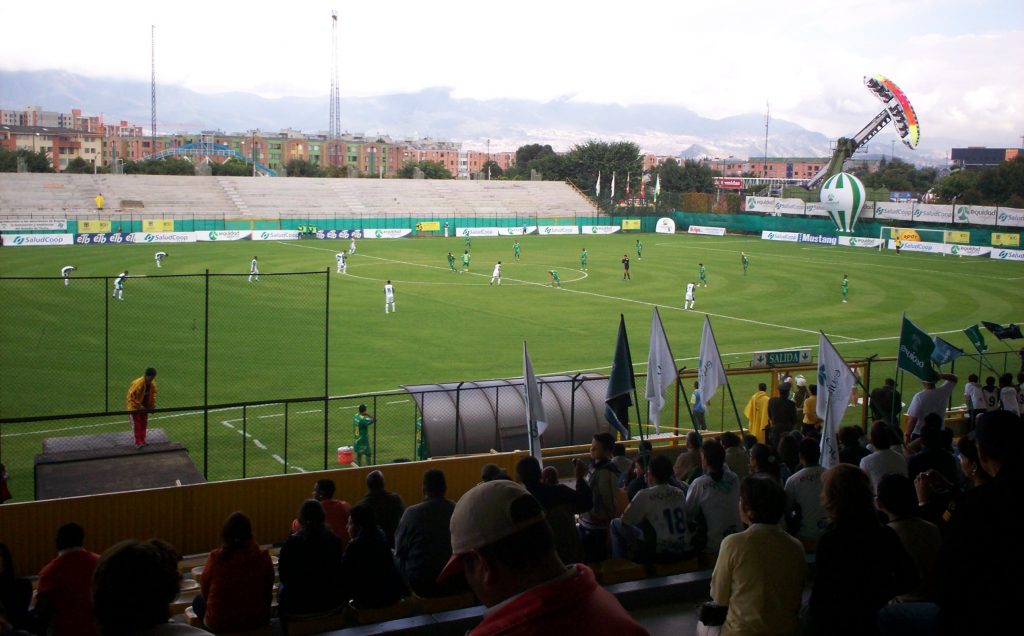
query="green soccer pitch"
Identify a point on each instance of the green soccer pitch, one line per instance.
(267, 339)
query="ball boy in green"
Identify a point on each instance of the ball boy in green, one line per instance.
(361, 430)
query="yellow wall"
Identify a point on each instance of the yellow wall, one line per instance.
(190, 517)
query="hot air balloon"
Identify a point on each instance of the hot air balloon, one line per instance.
(843, 196)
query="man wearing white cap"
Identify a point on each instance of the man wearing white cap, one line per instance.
(503, 544)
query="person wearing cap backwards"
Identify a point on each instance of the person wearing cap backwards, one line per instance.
(503, 544)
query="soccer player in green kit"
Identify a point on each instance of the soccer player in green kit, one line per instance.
(845, 287)
(555, 280)
(465, 261)
(583, 259)
(639, 250)
(361, 429)
(469, 242)
(745, 262)
(451, 261)
(703, 273)
(515, 250)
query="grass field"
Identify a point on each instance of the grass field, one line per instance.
(267, 339)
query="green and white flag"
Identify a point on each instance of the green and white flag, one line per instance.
(974, 335)
(915, 356)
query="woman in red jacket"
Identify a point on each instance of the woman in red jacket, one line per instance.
(238, 581)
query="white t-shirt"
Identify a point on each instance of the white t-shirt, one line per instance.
(803, 489)
(253, 267)
(119, 281)
(973, 397)
(881, 463)
(664, 507)
(930, 401)
(159, 255)
(1008, 399)
(67, 270)
(689, 291)
(341, 257)
(389, 291)
(497, 271)
(719, 502)
(990, 399)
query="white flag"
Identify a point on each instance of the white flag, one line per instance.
(613, 185)
(661, 370)
(711, 373)
(657, 187)
(597, 188)
(835, 382)
(536, 423)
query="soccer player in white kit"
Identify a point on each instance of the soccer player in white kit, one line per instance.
(159, 257)
(342, 262)
(66, 273)
(352, 245)
(688, 303)
(119, 285)
(254, 270)
(389, 297)
(496, 274)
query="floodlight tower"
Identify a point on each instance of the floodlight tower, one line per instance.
(335, 123)
(152, 88)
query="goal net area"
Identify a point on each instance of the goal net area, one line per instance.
(920, 239)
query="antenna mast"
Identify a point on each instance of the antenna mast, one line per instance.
(767, 118)
(152, 89)
(335, 123)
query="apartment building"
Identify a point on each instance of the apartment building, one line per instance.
(61, 145)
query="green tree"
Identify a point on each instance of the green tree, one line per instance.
(898, 175)
(531, 152)
(233, 167)
(495, 169)
(78, 166)
(998, 185)
(34, 161)
(431, 170)
(302, 168)
(584, 162)
(170, 165)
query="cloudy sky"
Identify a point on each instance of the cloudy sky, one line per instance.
(958, 62)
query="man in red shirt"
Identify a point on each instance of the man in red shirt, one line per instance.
(336, 511)
(503, 544)
(65, 586)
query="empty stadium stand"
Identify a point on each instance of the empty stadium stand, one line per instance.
(71, 196)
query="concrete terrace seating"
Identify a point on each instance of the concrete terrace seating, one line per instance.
(71, 196)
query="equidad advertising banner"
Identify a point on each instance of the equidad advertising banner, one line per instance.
(275, 235)
(760, 204)
(35, 240)
(975, 215)
(386, 233)
(665, 226)
(930, 213)
(968, 250)
(600, 229)
(102, 238)
(158, 225)
(858, 241)
(706, 230)
(1008, 255)
(93, 226)
(223, 235)
(631, 224)
(558, 230)
(1010, 217)
(38, 224)
(1002, 238)
(161, 237)
(792, 237)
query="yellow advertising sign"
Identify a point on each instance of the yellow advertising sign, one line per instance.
(158, 225)
(908, 235)
(428, 226)
(93, 226)
(1007, 240)
(953, 236)
(631, 224)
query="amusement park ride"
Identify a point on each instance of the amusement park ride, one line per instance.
(897, 110)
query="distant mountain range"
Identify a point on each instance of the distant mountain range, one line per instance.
(508, 123)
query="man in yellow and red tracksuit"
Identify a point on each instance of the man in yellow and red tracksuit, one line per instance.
(141, 399)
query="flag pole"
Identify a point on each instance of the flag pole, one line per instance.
(686, 400)
(732, 398)
(632, 381)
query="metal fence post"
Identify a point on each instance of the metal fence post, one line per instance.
(286, 404)
(245, 423)
(377, 425)
(572, 409)
(458, 414)
(206, 376)
(106, 347)
(327, 358)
